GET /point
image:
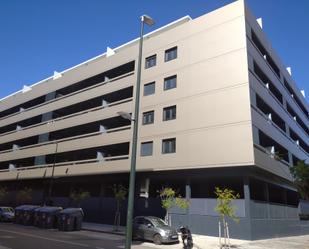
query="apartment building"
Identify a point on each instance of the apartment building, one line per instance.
(218, 108)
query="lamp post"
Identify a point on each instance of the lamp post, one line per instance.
(50, 189)
(149, 21)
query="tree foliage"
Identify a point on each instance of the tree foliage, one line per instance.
(3, 193)
(224, 206)
(300, 173)
(79, 195)
(24, 196)
(169, 199)
(120, 193)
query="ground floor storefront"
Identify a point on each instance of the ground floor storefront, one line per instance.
(267, 207)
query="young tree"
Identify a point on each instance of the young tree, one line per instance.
(170, 199)
(300, 173)
(120, 193)
(3, 193)
(79, 196)
(225, 209)
(24, 196)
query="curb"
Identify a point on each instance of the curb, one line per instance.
(103, 231)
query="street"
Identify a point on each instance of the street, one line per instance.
(21, 237)
(14, 236)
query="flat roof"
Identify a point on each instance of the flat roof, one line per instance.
(130, 43)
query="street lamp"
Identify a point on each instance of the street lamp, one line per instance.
(149, 21)
(52, 176)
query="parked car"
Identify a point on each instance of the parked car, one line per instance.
(7, 214)
(153, 229)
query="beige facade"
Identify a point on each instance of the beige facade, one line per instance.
(217, 122)
(223, 112)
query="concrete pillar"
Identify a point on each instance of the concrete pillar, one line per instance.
(285, 203)
(284, 103)
(290, 158)
(247, 200)
(188, 197)
(252, 97)
(267, 199)
(256, 137)
(287, 129)
(39, 160)
(247, 196)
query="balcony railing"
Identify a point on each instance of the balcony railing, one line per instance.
(127, 127)
(68, 95)
(71, 163)
(70, 115)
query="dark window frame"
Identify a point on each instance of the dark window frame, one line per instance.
(170, 116)
(148, 84)
(171, 148)
(145, 154)
(147, 113)
(149, 59)
(168, 79)
(170, 55)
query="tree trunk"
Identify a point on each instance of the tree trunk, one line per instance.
(117, 217)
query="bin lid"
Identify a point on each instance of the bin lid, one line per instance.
(30, 208)
(26, 207)
(72, 211)
(50, 209)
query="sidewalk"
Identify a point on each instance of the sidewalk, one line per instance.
(200, 241)
(102, 228)
(207, 242)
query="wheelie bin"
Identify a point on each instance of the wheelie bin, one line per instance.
(70, 219)
(49, 216)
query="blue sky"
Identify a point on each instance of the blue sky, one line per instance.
(42, 36)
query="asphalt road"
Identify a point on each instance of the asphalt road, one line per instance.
(14, 236)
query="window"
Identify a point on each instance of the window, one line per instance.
(170, 54)
(146, 148)
(151, 61)
(169, 145)
(170, 82)
(149, 88)
(148, 117)
(169, 113)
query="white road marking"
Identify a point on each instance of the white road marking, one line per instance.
(3, 247)
(6, 237)
(41, 237)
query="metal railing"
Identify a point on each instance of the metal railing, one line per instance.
(70, 115)
(127, 127)
(68, 95)
(70, 163)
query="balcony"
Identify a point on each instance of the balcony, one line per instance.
(104, 101)
(270, 113)
(297, 119)
(84, 117)
(87, 141)
(276, 151)
(105, 77)
(268, 84)
(258, 44)
(73, 168)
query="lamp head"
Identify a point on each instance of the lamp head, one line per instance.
(147, 19)
(125, 115)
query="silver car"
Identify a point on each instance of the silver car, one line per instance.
(154, 229)
(6, 214)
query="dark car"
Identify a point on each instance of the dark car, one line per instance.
(7, 214)
(153, 229)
